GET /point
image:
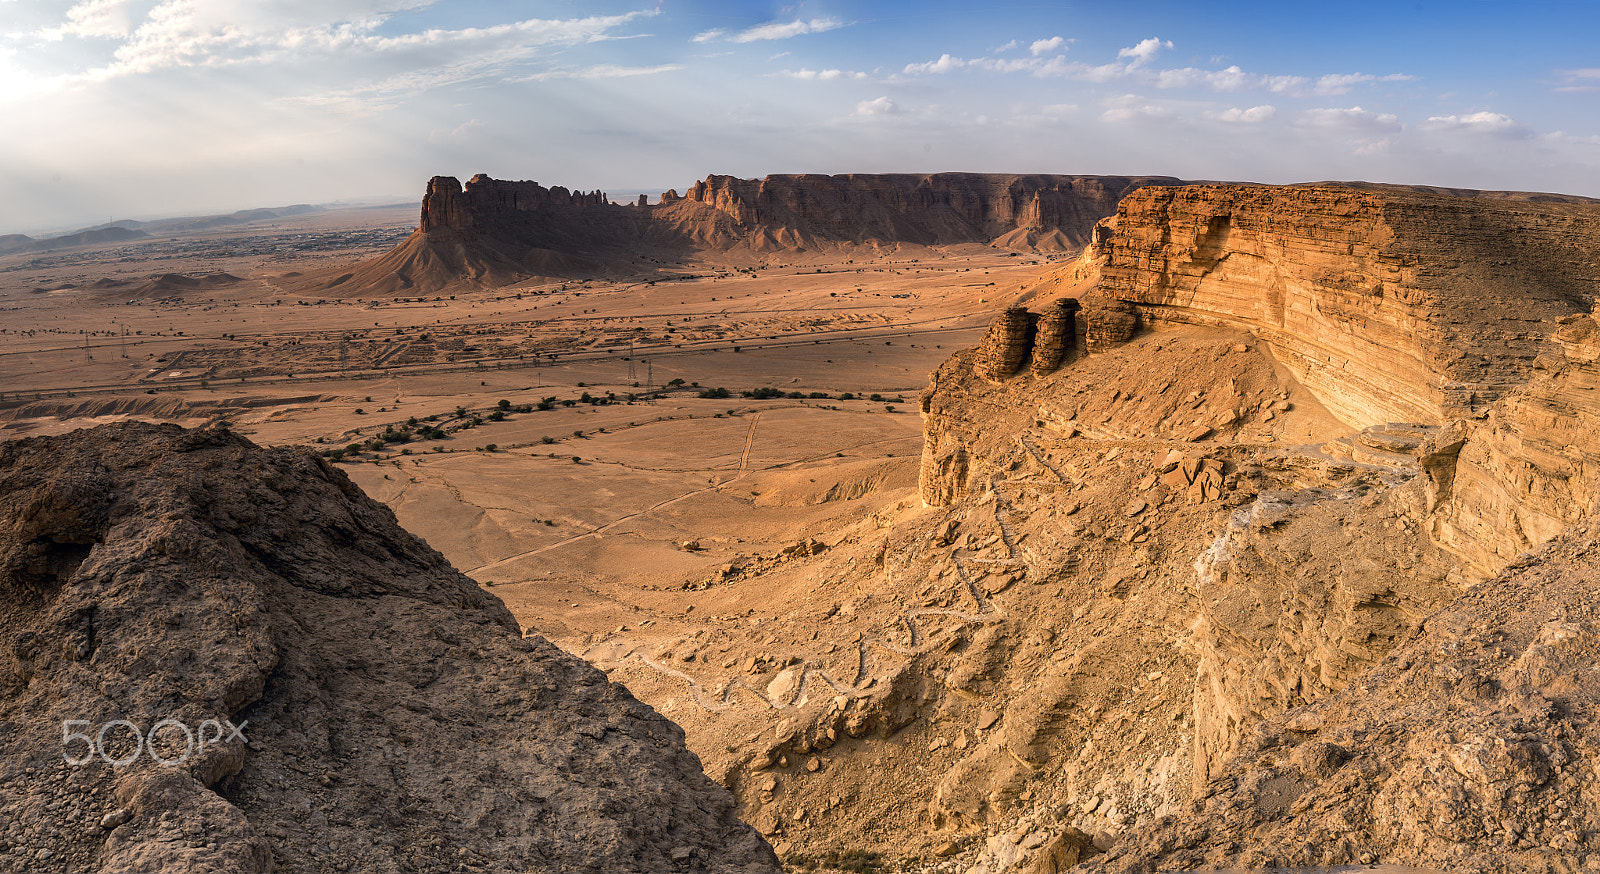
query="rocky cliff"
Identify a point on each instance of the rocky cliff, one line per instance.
(1295, 424)
(1042, 211)
(1393, 305)
(494, 232)
(216, 657)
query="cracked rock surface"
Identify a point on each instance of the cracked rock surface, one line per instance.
(390, 716)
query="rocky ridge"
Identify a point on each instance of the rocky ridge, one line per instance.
(391, 716)
(1446, 349)
(494, 232)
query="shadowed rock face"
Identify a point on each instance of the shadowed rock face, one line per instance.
(491, 205)
(393, 718)
(493, 232)
(1057, 212)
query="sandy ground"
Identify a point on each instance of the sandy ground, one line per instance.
(579, 534)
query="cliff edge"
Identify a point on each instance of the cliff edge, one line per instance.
(217, 657)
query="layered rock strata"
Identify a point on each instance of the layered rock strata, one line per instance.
(175, 585)
(1007, 345)
(1056, 334)
(1056, 212)
(1434, 427)
(1393, 305)
(494, 232)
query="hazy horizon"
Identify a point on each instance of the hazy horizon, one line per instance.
(128, 108)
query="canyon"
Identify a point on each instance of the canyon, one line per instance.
(1254, 530)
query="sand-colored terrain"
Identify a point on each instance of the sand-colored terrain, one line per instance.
(1127, 577)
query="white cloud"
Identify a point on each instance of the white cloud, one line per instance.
(945, 64)
(1253, 115)
(461, 130)
(600, 71)
(1578, 81)
(1490, 123)
(342, 36)
(1133, 65)
(1341, 83)
(820, 75)
(95, 18)
(1043, 46)
(1144, 51)
(771, 30)
(879, 106)
(1008, 46)
(1132, 107)
(1355, 119)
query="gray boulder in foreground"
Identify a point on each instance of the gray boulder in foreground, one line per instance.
(329, 694)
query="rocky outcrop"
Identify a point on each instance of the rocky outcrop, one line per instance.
(1469, 747)
(1512, 480)
(1107, 322)
(1428, 423)
(1007, 345)
(494, 232)
(1391, 304)
(166, 587)
(1051, 212)
(494, 206)
(1056, 334)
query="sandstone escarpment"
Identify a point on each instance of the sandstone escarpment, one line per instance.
(496, 206)
(176, 584)
(494, 232)
(1043, 211)
(1434, 423)
(1392, 305)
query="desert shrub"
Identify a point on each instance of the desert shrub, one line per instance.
(497, 416)
(821, 395)
(762, 394)
(504, 404)
(716, 393)
(796, 396)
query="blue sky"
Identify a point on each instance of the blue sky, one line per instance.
(142, 107)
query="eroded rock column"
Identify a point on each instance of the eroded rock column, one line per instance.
(1005, 347)
(1055, 336)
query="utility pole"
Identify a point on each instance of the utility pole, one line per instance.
(124, 341)
(633, 375)
(649, 380)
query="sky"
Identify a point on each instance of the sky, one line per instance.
(138, 108)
